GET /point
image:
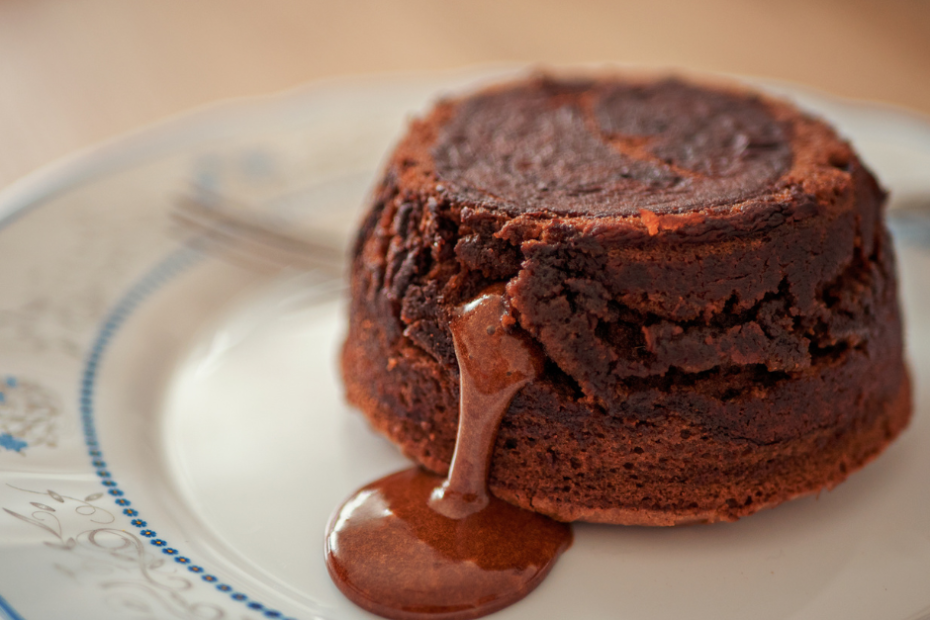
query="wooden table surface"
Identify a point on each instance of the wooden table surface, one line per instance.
(74, 72)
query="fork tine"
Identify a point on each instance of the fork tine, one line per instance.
(248, 241)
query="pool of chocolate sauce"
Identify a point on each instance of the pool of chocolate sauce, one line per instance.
(413, 545)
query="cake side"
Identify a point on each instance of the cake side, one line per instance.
(702, 346)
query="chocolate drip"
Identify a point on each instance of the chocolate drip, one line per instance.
(412, 546)
(494, 365)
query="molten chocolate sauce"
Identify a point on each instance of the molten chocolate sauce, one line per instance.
(413, 546)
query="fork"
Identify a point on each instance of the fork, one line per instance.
(218, 226)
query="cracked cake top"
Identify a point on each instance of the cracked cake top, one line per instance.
(665, 156)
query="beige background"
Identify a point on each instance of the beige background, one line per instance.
(74, 72)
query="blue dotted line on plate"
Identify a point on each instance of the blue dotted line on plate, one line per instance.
(7, 612)
(169, 268)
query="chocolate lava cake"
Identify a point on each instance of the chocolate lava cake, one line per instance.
(705, 270)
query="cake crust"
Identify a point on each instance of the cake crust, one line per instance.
(706, 271)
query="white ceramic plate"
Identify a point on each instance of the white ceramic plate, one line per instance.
(172, 430)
